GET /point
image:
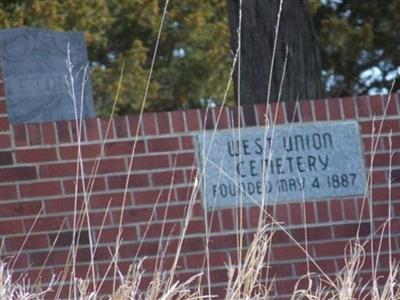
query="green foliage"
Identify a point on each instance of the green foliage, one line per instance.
(192, 64)
(357, 39)
(359, 45)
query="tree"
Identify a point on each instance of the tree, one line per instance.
(358, 42)
(302, 78)
(359, 45)
(193, 60)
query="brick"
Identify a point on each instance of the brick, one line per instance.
(177, 212)
(49, 133)
(349, 209)
(296, 213)
(105, 166)
(192, 120)
(167, 178)
(115, 199)
(65, 239)
(183, 159)
(381, 160)
(376, 105)
(121, 128)
(381, 194)
(348, 108)
(109, 235)
(262, 112)
(31, 242)
(351, 230)
(287, 253)
(395, 175)
(135, 215)
(150, 162)
(149, 124)
(53, 258)
(17, 174)
(197, 227)
(278, 113)
(3, 107)
(206, 118)
(92, 129)
(280, 270)
(362, 106)
(36, 155)
(8, 192)
(87, 151)
(313, 234)
(322, 211)
(334, 109)
(160, 230)
(31, 208)
(163, 144)
(93, 184)
(378, 177)
(394, 140)
(381, 211)
(124, 148)
(292, 111)
(377, 127)
(193, 244)
(11, 227)
(34, 134)
(249, 115)
(253, 216)
(5, 141)
(331, 248)
(4, 125)
(320, 110)
(63, 132)
(187, 143)
(77, 132)
(6, 158)
(58, 170)
(20, 262)
(281, 211)
(67, 204)
(106, 129)
(185, 193)
(152, 196)
(389, 103)
(134, 127)
(135, 181)
(309, 212)
(46, 223)
(20, 134)
(336, 210)
(40, 189)
(370, 143)
(306, 111)
(163, 123)
(221, 117)
(178, 121)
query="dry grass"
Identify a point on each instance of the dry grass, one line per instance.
(248, 279)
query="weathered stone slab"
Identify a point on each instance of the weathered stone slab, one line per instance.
(310, 161)
(33, 63)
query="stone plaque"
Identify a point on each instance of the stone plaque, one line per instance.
(33, 62)
(310, 161)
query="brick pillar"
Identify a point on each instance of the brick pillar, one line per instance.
(5, 139)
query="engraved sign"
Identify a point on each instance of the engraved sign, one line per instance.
(35, 73)
(285, 163)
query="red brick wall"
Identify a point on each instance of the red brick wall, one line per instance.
(37, 181)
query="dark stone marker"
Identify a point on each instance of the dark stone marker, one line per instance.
(285, 163)
(35, 75)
